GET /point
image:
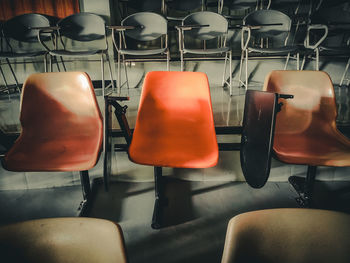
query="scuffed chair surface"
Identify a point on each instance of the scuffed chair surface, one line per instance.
(288, 235)
(174, 125)
(63, 240)
(306, 131)
(62, 128)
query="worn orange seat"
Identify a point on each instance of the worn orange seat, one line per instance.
(62, 127)
(61, 123)
(174, 125)
(306, 131)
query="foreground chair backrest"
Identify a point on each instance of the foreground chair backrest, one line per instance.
(288, 235)
(62, 128)
(306, 131)
(63, 240)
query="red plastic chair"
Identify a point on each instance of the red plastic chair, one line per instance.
(306, 131)
(62, 127)
(174, 126)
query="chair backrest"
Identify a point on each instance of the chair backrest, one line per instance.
(288, 235)
(215, 25)
(148, 26)
(82, 27)
(62, 127)
(313, 106)
(19, 27)
(268, 17)
(63, 240)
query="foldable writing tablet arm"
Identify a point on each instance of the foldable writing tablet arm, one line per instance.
(256, 143)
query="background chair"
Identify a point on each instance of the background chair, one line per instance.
(306, 131)
(62, 127)
(21, 41)
(59, 240)
(329, 36)
(266, 32)
(176, 10)
(205, 26)
(288, 235)
(146, 28)
(81, 35)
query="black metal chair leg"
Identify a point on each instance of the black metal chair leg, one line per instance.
(160, 200)
(85, 185)
(304, 186)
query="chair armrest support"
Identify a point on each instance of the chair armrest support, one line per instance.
(311, 28)
(244, 42)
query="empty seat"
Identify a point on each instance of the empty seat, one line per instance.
(306, 131)
(288, 235)
(63, 240)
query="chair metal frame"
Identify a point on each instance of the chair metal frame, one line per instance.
(17, 29)
(133, 26)
(63, 29)
(264, 33)
(204, 32)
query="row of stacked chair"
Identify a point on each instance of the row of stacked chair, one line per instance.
(265, 32)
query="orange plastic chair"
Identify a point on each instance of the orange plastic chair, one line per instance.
(174, 126)
(62, 127)
(306, 131)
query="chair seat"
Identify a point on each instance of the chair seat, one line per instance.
(288, 235)
(207, 51)
(329, 148)
(59, 240)
(75, 53)
(275, 51)
(61, 125)
(21, 55)
(174, 125)
(142, 52)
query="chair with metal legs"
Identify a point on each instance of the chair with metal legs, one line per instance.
(210, 28)
(306, 131)
(146, 29)
(62, 127)
(81, 35)
(20, 41)
(266, 33)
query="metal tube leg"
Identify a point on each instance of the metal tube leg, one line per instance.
(298, 61)
(103, 76)
(13, 73)
(126, 72)
(4, 79)
(287, 60)
(230, 58)
(317, 59)
(182, 61)
(246, 69)
(167, 61)
(309, 184)
(45, 63)
(240, 68)
(110, 71)
(86, 189)
(119, 73)
(159, 198)
(344, 73)
(224, 74)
